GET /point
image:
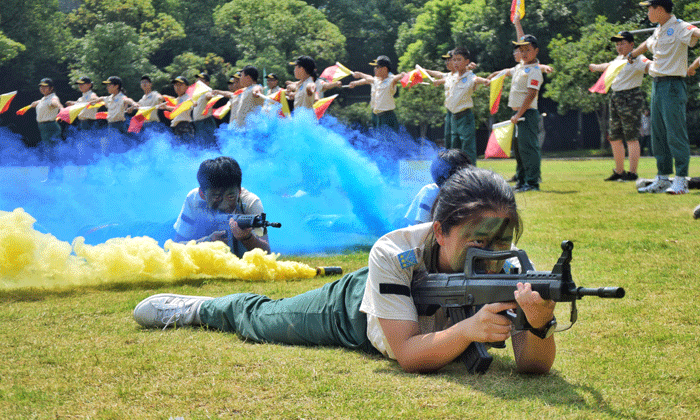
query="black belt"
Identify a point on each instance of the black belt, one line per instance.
(659, 78)
(462, 113)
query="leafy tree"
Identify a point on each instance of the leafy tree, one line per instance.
(35, 40)
(9, 49)
(283, 28)
(161, 31)
(112, 49)
(371, 27)
(422, 106)
(190, 64)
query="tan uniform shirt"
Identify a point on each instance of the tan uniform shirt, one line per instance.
(631, 75)
(301, 98)
(669, 43)
(383, 95)
(185, 116)
(45, 110)
(525, 76)
(116, 107)
(149, 100)
(200, 106)
(87, 113)
(461, 90)
(246, 104)
(395, 258)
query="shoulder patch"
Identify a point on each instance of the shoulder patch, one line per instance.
(669, 32)
(407, 258)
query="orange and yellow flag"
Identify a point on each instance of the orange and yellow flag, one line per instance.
(518, 6)
(281, 97)
(171, 101)
(221, 112)
(24, 110)
(500, 140)
(608, 77)
(70, 113)
(5, 100)
(182, 107)
(137, 121)
(496, 88)
(197, 89)
(211, 103)
(335, 72)
(322, 105)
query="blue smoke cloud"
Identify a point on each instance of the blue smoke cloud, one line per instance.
(331, 187)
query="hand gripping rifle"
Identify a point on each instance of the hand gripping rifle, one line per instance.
(463, 294)
(245, 221)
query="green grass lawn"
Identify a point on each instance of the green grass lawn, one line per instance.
(78, 353)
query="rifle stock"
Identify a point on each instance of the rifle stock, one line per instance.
(463, 294)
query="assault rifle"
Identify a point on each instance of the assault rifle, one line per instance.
(462, 295)
(244, 221)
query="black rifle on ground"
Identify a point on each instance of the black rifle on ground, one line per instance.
(463, 294)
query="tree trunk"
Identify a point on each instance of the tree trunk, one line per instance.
(423, 130)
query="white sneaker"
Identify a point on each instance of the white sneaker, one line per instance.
(658, 186)
(166, 309)
(696, 212)
(678, 186)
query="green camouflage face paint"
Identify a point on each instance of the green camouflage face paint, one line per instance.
(491, 232)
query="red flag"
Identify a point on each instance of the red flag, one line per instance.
(322, 105)
(5, 100)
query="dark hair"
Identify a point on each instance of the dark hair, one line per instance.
(447, 162)
(462, 51)
(470, 192)
(222, 172)
(309, 66)
(252, 72)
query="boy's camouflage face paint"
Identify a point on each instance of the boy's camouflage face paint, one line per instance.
(492, 232)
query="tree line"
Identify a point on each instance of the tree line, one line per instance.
(164, 38)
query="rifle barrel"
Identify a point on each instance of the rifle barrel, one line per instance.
(602, 292)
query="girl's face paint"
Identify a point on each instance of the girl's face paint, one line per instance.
(493, 231)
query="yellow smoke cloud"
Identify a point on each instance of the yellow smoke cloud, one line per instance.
(29, 258)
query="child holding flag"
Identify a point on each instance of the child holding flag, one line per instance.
(382, 94)
(150, 98)
(87, 117)
(625, 102)
(250, 98)
(527, 81)
(181, 124)
(47, 109)
(459, 103)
